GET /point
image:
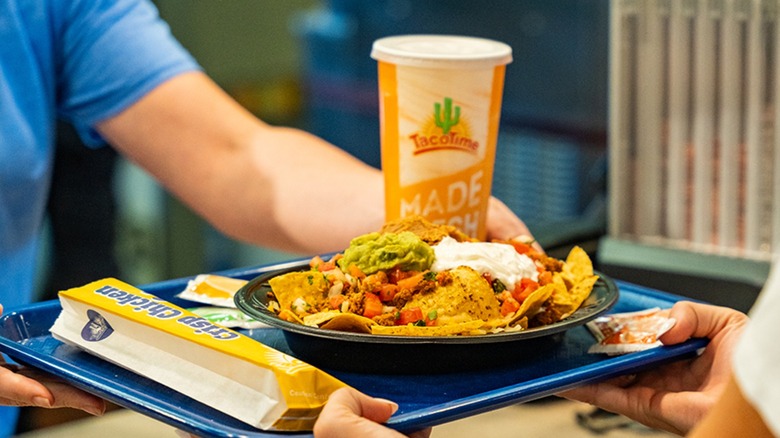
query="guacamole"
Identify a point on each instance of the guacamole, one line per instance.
(375, 252)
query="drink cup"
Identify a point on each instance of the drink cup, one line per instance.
(440, 102)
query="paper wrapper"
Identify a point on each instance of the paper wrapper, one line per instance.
(214, 365)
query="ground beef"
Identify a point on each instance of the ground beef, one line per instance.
(548, 315)
(550, 264)
(387, 319)
(356, 302)
(404, 295)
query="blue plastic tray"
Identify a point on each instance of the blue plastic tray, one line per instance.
(424, 400)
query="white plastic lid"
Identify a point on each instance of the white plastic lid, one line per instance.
(446, 51)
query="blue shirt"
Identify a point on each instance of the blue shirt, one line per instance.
(80, 60)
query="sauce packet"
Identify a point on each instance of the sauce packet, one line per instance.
(215, 290)
(214, 365)
(628, 332)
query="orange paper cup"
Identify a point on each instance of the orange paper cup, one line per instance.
(440, 104)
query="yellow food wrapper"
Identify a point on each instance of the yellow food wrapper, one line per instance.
(214, 365)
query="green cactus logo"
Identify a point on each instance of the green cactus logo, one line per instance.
(444, 129)
(445, 120)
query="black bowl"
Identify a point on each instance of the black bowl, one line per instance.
(389, 354)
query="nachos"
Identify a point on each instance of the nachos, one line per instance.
(415, 278)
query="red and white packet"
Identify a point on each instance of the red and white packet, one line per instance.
(628, 332)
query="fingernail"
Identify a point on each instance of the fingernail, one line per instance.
(41, 402)
(392, 404)
(94, 411)
(524, 238)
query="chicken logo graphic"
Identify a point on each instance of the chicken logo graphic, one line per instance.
(97, 328)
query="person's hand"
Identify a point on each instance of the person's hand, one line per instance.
(503, 224)
(350, 413)
(676, 396)
(20, 386)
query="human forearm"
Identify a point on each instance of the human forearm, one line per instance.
(731, 416)
(324, 197)
(272, 186)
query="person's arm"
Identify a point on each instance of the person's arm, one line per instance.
(732, 416)
(273, 186)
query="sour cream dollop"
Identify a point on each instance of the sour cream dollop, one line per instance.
(499, 260)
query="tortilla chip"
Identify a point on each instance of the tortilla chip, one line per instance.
(319, 318)
(578, 266)
(499, 324)
(349, 322)
(533, 303)
(560, 300)
(311, 286)
(467, 297)
(414, 330)
(566, 300)
(579, 293)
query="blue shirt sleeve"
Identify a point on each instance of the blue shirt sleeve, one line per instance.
(111, 53)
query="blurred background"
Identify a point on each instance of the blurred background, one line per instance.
(306, 63)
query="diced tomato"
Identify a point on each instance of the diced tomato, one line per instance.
(509, 306)
(317, 263)
(527, 282)
(409, 316)
(522, 248)
(355, 271)
(335, 301)
(372, 306)
(523, 289)
(410, 282)
(387, 292)
(393, 275)
(396, 274)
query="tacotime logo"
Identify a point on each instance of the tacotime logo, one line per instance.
(444, 130)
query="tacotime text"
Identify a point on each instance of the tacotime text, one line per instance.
(427, 143)
(157, 309)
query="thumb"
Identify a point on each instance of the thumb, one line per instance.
(349, 413)
(696, 320)
(375, 409)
